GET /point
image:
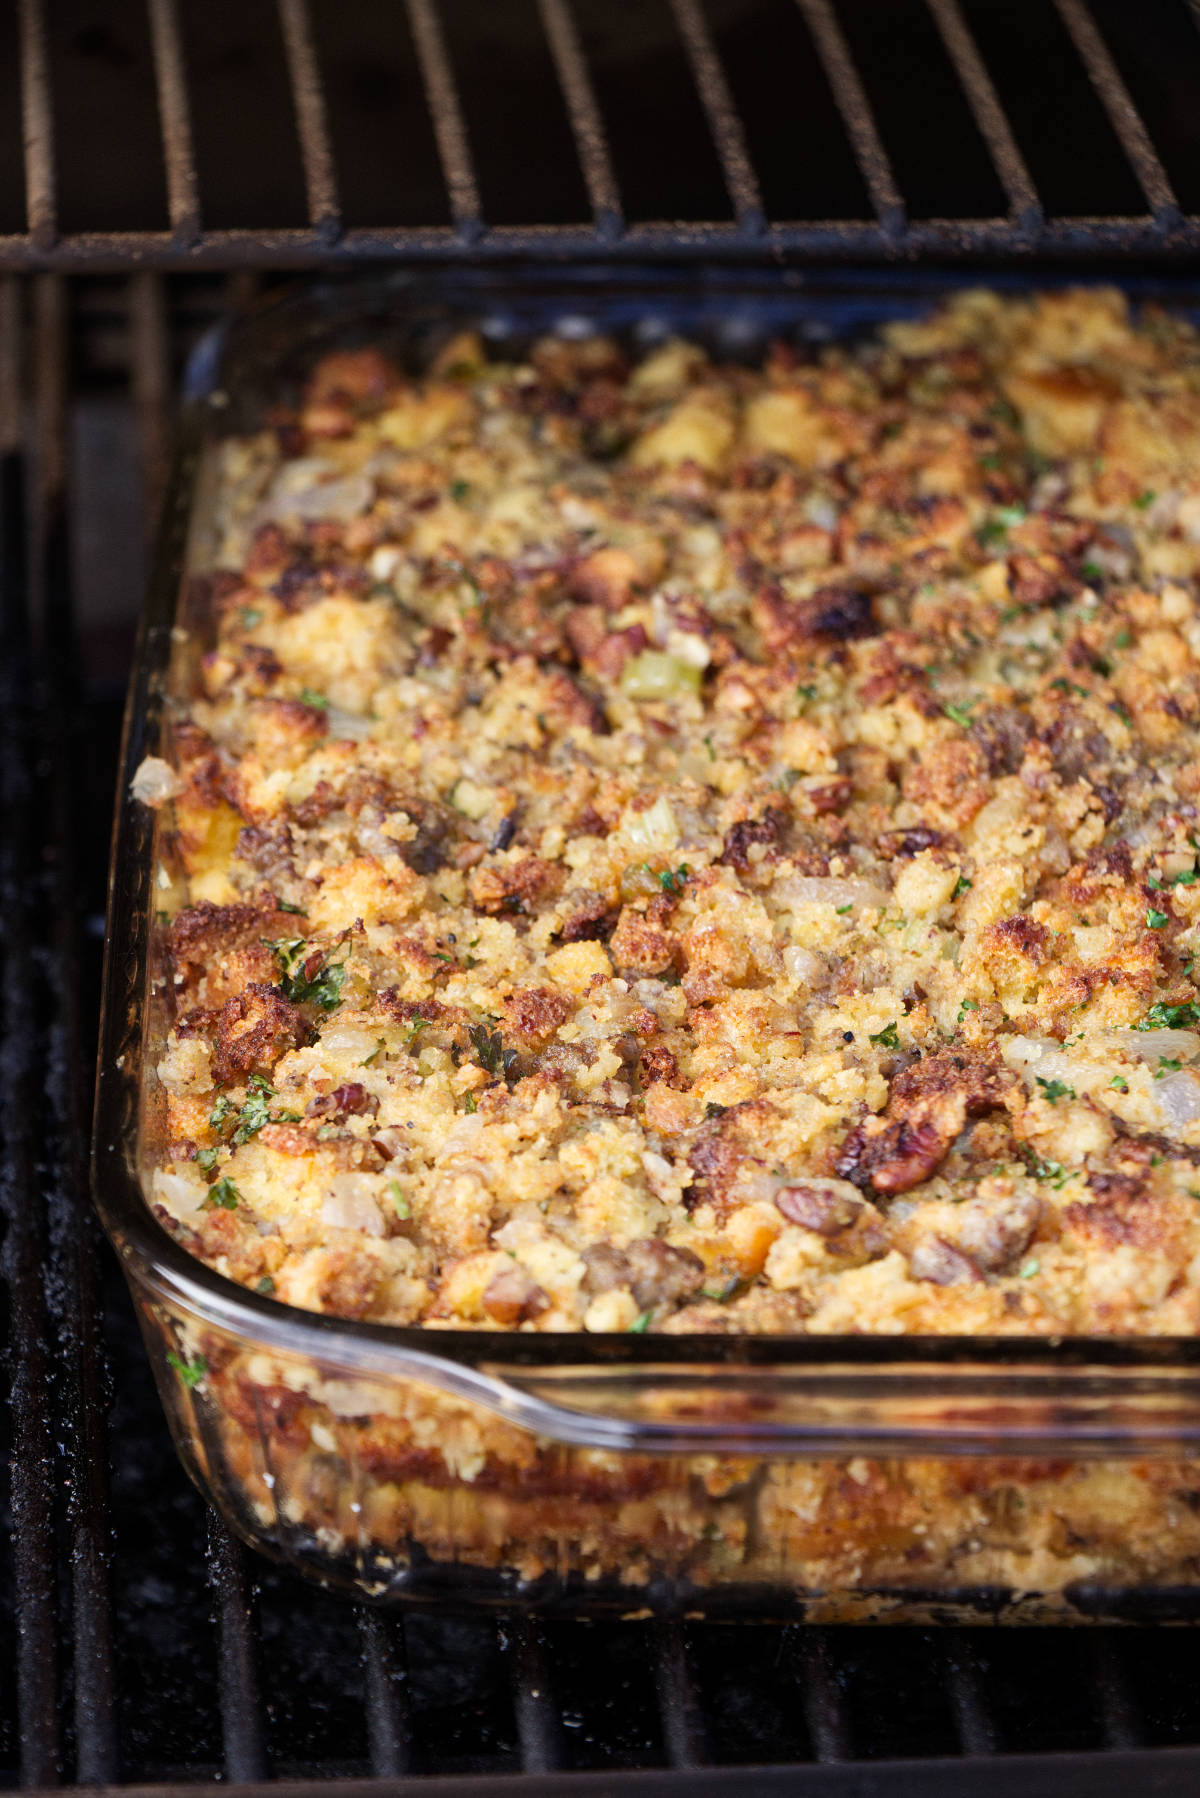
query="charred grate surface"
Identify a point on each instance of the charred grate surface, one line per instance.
(138, 1643)
(316, 130)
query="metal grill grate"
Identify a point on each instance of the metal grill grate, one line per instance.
(361, 133)
(134, 1647)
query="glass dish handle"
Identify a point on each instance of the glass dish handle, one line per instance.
(931, 1409)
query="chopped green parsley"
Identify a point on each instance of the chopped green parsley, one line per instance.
(190, 1372)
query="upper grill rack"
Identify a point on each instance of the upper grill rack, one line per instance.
(820, 49)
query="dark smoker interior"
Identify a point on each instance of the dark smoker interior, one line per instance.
(159, 164)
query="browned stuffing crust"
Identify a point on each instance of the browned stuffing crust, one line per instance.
(680, 848)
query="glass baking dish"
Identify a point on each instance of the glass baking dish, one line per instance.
(834, 1478)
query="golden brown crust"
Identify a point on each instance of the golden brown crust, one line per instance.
(632, 805)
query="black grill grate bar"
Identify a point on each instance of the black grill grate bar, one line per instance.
(587, 125)
(175, 118)
(37, 124)
(74, 1293)
(31, 1468)
(445, 110)
(724, 122)
(385, 1693)
(826, 1714)
(237, 1670)
(1119, 1717)
(988, 113)
(827, 241)
(966, 1689)
(1123, 115)
(857, 116)
(539, 1725)
(685, 1731)
(312, 125)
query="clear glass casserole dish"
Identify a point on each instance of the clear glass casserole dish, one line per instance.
(831, 1477)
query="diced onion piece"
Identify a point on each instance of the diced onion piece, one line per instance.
(463, 1136)
(181, 1197)
(1152, 1045)
(826, 889)
(351, 1204)
(354, 1042)
(303, 489)
(803, 965)
(655, 828)
(154, 782)
(653, 674)
(1178, 1099)
(349, 726)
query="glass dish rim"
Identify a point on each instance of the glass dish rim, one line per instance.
(500, 1368)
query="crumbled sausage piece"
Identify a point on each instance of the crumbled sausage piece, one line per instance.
(1036, 580)
(739, 837)
(512, 1297)
(268, 849)
(901, 844)
(592, 921)
(995, 1233)
(607, 1267)
(816, 1207)
(840, 613)
(349, 1278)
(1078, 750)
(941, 1263)
(1002, 732)
(660, 1274)
(656, 1272)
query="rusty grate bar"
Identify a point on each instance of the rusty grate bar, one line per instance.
(308, 99)
(857, 115)
(988, 113)
(385, 1693)
(1123, 115)
(237, 1658)
(828, 241)
(889, 234)
(1119, 1718)
(37, 122)
(539, 1725)
(591, 141)
(966, 1688)
(445, 110)
(826, 1713)
(685, 1731)
(724, 123)
(174, 111)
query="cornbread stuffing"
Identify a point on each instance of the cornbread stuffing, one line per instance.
(677, 847)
